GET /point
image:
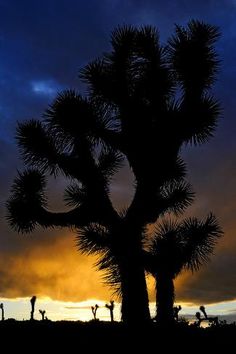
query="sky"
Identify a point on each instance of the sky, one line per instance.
(43, 45)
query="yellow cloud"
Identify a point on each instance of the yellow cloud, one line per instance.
(56, 270)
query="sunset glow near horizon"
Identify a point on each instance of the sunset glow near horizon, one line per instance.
(19, 309)
(43, 46)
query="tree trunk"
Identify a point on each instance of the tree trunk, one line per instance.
(165, 295)
(111, 314)
(135, 306)
(2, 309)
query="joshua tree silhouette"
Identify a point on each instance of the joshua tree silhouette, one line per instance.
(199, 319)
(42, 313)
(174, 247)
(203, 310)
(32, 302)
(176, 310)
(2, 310)
(131, 111)
(94, 311)
(213, 320)
(110, 307)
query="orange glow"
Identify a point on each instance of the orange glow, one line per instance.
(56, 270)
(48, 264)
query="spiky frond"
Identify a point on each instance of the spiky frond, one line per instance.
(147, 42)
(176, 171)
(198, 119)
(106, 117)
(70, 117)
(27, 197)
(123, 39)
(111, 272)
(93, 239)
(136, 68)
(176, 196)
(38, 148)
(165, 230)
(96, 77)
(109, 162)
(43, 149)
(188, 244)
(192, 55)
(152, 77)
(75, 195)
(200, 238)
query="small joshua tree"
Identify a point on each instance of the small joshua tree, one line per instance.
(176, 311)
(94, 311)
(111, 308)
(32, 301)
(199, 319)
(203, 310)
(42, 312)
(2, 309)
(176, 247)
(213, 320)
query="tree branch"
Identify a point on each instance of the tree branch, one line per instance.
(78, 217)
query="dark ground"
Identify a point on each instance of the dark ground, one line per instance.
(93, 336)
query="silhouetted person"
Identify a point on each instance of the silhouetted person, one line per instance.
(2, 309)
(42, 312)
(32, 301)
(111, 308)
(94, 311)
(176, 311)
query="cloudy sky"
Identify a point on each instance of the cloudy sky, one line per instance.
(43, 46)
